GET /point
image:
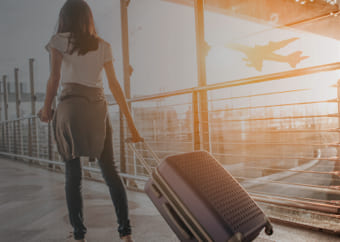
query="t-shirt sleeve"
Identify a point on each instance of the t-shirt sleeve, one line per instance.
(58, 42)
(108, 53)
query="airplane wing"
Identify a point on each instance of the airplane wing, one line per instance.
(257, 64)
(254, 54)
(242, 48)
(272, 45)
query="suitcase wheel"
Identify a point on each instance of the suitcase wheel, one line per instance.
(268, 229)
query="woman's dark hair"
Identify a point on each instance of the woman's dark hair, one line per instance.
(76, 17)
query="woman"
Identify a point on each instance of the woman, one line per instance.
(81, 122)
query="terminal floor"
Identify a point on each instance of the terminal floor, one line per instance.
(33, 208)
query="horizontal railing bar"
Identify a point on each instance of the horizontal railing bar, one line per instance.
(31, 158)
(158, 96)
(295, 209)
(244, 81)
(270, 106)
(326, 208)
(275, 76)
(266, 157)
(276, 157)
(335, 189)
(321, 166)
(335, 173)
(286, 144)
(168, 142)
(275, 131)
(165, 151)
(289, 170)
(333, 115)
(258, 95)
(171, 105)
(18, 119)
(297, 198)
(125, 175)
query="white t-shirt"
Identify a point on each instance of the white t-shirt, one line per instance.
(81, 69)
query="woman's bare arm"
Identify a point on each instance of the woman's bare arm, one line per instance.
(118, 94)
(52, 85)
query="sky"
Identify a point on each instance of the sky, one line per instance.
(162, 44)
(27, 26)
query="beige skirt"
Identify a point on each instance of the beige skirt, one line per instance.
(79, 123)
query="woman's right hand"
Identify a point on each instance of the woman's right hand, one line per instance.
(135, 137)
(45, 114)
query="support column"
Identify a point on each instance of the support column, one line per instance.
(33, 123)
(127, 74)
(2, 123)
(1, 119)
(17, 128)
(196, 129)
(4, 82)
(1, 93)
(125, 46)
(338, 99)
(33, 97)
(202, 49)
(4, 86)
(17, 92)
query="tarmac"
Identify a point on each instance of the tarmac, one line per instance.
(33, 209)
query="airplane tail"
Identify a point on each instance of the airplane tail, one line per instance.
(295, 58)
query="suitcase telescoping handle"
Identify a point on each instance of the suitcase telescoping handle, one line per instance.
(140, 157)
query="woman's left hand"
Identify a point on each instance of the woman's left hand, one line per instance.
(45, 114)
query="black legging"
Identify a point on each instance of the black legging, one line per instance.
(73, 173)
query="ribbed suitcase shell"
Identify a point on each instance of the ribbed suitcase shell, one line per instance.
(194, 192)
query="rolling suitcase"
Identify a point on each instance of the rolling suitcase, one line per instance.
(201, 201)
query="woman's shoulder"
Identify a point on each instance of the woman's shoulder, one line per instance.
(104, 42)
(59, 41)
(106, 50)
(61, 36)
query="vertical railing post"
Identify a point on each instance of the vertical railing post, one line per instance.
(125, 47)
(50, 131)
(335, 178)
(33, 126)
(195, 118)
(18, 138)
(49, 145)
(30, 145)
(1, 93)
(122, 143)
(202, 49)
(127, 74)
(338, 99)
(2, 123)
(4, 82)
(33, 97)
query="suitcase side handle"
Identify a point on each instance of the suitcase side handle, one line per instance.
(175, 219)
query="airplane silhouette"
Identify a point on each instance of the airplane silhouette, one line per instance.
(257, 54)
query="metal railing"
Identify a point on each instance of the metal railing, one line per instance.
(282, 145)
